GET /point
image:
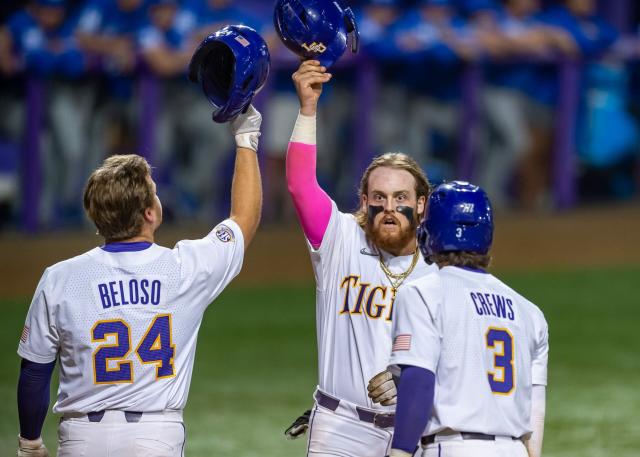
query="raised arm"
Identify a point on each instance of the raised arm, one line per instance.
(312, 204)
(246, 187)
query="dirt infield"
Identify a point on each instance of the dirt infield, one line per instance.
(585, 237)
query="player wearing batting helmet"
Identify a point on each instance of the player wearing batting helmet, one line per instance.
(466, 335)
(360, 261)
(122, 319)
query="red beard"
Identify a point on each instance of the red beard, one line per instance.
(391, 241)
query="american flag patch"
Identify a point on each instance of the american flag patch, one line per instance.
(243, 41)
(25, 334)
(401, 343)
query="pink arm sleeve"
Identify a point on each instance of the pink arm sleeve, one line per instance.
(312, 203)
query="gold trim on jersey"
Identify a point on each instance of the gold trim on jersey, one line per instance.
(122, 360)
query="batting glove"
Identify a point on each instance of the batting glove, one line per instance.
(299, 426)
(31, 448)
(246, 128)
(382, 389)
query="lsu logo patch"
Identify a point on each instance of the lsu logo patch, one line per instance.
(315, 47)
(224, 234)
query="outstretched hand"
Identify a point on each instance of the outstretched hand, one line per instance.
(308, 81)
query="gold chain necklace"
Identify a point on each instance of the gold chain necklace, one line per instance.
(396, 279)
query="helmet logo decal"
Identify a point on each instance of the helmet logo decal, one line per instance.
(467, 207)
(242, 40)
(315, 47)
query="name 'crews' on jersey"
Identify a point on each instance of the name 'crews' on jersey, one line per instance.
(486, 344)
(354, 308)
(124, 324)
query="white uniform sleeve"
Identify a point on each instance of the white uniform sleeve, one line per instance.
(331, 253)
(538, 407)
(209, 264)
(541, 354)
(39, 340)
(416, 325)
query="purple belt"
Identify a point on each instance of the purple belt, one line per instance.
(380, 420)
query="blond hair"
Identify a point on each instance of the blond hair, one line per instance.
(117, 194)
(397, 161)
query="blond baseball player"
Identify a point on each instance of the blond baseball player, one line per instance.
(465, 335)
(360, 261)
(122, 319)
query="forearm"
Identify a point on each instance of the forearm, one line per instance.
(33, 397)
(538, 407)
(415, 402)
(312, 204)
(246, 193)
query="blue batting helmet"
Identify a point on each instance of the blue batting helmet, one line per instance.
(231, 65)
(316, 29)
(459, 218)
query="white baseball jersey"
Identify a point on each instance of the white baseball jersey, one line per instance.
(124, 324)
(486, 344)
(354, 308)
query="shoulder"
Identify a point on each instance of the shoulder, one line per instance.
(430, 285)
(58, 273)
(527, 305)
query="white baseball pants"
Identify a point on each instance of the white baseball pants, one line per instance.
(159, 434)
(455, 446)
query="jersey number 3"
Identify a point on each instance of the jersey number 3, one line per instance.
(155, 347)
(501, 379)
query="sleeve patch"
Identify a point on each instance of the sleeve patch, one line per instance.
(224, 234)
(401, 343)
(25, 334)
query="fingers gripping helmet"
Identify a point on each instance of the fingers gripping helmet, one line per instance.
(459, 218)
(316, 29)
(231, 65)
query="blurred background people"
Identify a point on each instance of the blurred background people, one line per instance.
(98, 63)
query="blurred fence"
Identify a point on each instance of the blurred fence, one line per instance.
(366, 71)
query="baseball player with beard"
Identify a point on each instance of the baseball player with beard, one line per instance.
(360, 261)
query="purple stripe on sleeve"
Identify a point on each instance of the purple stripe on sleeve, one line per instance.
(33, 397)
(415, 402)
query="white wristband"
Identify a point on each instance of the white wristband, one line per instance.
(304, 130)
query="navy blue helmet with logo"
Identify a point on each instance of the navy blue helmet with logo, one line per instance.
(316, 29)
(231, 65)
(458, 218)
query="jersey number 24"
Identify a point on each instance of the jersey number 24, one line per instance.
(155, 347)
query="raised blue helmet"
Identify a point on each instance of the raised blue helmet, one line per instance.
(316, 29)
(458, 218)
(231, 65)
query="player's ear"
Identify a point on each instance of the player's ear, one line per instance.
(149, 215)
(363, 203)
(421, 203)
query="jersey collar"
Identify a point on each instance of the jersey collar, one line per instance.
(474, 270)
(126, 247)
